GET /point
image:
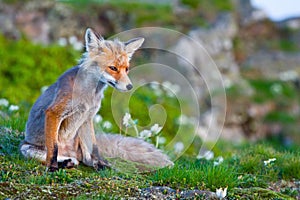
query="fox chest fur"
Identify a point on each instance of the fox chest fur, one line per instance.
(81, 92)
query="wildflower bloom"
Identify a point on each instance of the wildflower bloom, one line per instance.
(155, 86)
(171, 89)
(218, 161)
(207, 155)
(76, 44)
(107, 125)
(4, 102)
(266, 162)
(145, 134)
(178, 147)
(155, 129)
(62, 41)
(185, 120)
(13, 108)
(126, 119)
(44, 88)
(290, 75)
(276, 88)
(228, 83)
(221, 193)
(97, 118)
(162, 140)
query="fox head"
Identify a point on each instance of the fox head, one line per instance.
(111, 58)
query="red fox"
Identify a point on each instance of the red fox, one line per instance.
(59, 130)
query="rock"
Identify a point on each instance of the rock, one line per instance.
(7, 26)
(34, 25)
(215, 62)
(247, 13)
(48, 21)
(274, 65)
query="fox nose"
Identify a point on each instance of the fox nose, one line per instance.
(129, 86)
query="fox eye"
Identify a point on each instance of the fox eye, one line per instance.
(127, 69)
(113, 68)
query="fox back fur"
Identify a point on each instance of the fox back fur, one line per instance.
(60, 128)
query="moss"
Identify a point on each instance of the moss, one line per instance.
(256, 193)
(27, 67)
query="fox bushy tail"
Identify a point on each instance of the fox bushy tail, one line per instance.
(132, 149)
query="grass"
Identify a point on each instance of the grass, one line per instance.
(243, 172)
(19, 71)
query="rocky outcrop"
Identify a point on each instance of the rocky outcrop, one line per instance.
(47, 21)
(211, 52)
(273, 65)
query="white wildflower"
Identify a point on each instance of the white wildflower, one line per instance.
(77, 45)
(227, 44)
(227, 83)
(267, 162)
(44, 88)
(145, 134)
(155, 129)
(72, 39)
(97, 118)
(276, 88)
(175, 88)
(207, 155)
(162, 140)
(13, 108)
(218, 161)
(178, 147)
(221, 193)
(4, 102)
(183, 119)
(170, 93)
(155, 86)
(171, 89)
(167, 84)
(289, 75)
(107, 125)
(126, 119)
(62, 41)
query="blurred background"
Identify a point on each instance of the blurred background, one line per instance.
(255, 44)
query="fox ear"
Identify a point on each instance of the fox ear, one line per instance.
(92, 40)
(132, 45)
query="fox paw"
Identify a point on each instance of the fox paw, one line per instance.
(68, 163)
(101, 165)
(52, 169)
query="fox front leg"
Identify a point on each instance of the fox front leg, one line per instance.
(51, 137)
(90, 152)
(53, 117)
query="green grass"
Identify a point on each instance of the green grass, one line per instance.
(22, 70)
(243, 172)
